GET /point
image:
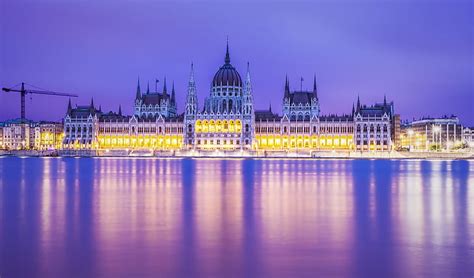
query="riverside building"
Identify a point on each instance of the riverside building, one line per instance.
(228, 122)
(443, 133)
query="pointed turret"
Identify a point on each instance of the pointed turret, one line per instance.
(139, 94)
(69, 107)
(92, 103)
(191, 98)
(287, 87)
(191, 76)
(248, 84)
(270, 107)
(358, 103)
(315, 88)
(164, 87)
(148, 88)
(173, 94)
(227, 56)
(120, 110)
(353, 109)
(384, 100)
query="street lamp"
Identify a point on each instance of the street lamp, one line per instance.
(437, 130)
(410, 134)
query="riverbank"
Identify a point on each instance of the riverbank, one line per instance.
(243, 154)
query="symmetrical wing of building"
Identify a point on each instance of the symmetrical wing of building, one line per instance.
(227, 121)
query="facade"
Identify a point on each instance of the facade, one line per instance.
(86, 127)
(12, 134)
(432, 134)
(468, 137)
(48, 136)
(300, 105)
(38, 135)
(373, 126)
(153, 104)
(227, 121)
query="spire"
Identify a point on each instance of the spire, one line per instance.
(164, 86)
(173, 95)
(120, 110)
(384, 100)
(315, 88)
(248, 84)
(227, 56)
(148, 88)
(358, 103)
(270, 107)
(92, 102)
(353, 110)
(69, 107)
(287, 87)
(139, 94)
(191, 77)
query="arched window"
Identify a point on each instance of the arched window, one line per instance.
(190, 128)
(133, 129)
(224, 105)
(159, 129)
(314, 129)
(230, 105)
(285, 129)
(246, 127)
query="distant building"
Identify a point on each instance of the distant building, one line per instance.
(468, 136)
(48, 135)
(12, 134)
(38, 135)
(432, 134)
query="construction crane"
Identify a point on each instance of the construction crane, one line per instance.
(23, 92)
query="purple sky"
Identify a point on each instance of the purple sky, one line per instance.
(419, 53)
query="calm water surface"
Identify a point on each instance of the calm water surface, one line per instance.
(63, 217)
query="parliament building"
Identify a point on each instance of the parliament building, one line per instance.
(228, 122)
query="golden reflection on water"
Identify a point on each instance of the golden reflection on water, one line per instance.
(244, 217)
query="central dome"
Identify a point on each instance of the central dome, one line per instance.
(227, 74)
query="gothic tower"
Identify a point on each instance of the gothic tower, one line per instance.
(247, 113)
(190, 110)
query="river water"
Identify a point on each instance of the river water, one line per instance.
(63, 217)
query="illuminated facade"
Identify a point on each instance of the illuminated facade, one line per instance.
(38, 135)
(373, 126)
(227, 122)
(432, 134)
(154, 104)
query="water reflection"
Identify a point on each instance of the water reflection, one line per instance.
(207, 217)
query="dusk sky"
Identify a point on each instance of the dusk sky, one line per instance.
(420, 54)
